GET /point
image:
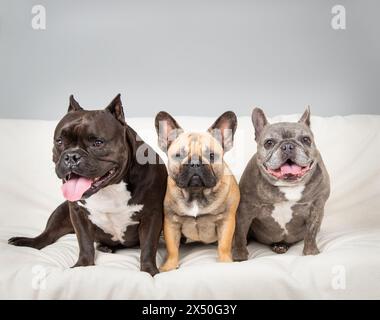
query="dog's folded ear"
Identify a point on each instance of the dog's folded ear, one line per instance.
(224, 128)
(73, 105)
(259, 121)
(306, 117)
(116, 109)
(167, 130)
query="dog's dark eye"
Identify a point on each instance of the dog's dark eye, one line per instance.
(269, 144)
(212, 156)
(306, 140)
(177, 156)
(98, 143)
(59, 141)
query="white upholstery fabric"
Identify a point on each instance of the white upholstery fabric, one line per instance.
(348, 266)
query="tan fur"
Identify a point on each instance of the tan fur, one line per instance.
(212, 222)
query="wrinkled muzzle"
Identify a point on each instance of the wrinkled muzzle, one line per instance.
(288, 162)
(80, 176)
(196, 175)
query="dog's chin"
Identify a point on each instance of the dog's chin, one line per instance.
(288, 173)
(196, 182)
(78, 186)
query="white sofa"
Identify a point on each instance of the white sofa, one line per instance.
(348, 266)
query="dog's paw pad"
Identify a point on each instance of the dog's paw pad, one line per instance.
(23, 242)
(225, 258)
(311, 252)
(280, 248)
(152, 270)
(104, 248)
(168, 267)
(240, 254)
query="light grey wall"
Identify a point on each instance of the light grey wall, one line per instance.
(192, 57)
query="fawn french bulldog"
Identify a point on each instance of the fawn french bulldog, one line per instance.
(202, 194)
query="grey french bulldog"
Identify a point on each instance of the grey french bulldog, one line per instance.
(283, 189)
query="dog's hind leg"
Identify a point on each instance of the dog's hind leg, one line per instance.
(102, 247)
(57, 226)
(280, 247)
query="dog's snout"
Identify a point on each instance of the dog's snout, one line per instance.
(72, 159)
(287, 147)
(195, 163)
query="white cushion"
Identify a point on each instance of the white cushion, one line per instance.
(348, 266)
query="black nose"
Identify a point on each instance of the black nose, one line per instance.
(195, 163)
(287, 147)
(72, 159)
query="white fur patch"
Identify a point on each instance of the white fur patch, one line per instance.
(193, 211)
(293, 193)
(110, 211)
(283, 212)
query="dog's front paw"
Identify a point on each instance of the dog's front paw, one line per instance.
(151, 269)
(225, 258)
(240, 254)
(310, 251)
(84, 262)
(169, 265)
(24, 242)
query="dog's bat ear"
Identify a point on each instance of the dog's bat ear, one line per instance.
(259, 121)
(167, 130)
(306, 117)
(73, 105)
(116, 109)
(224, 128)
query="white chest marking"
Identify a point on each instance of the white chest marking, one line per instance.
(193, 211)
(110, 211)
(283, 212)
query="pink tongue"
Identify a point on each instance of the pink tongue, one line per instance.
(74, 188)
(290, 169)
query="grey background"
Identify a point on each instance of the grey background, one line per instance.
(189, 57)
